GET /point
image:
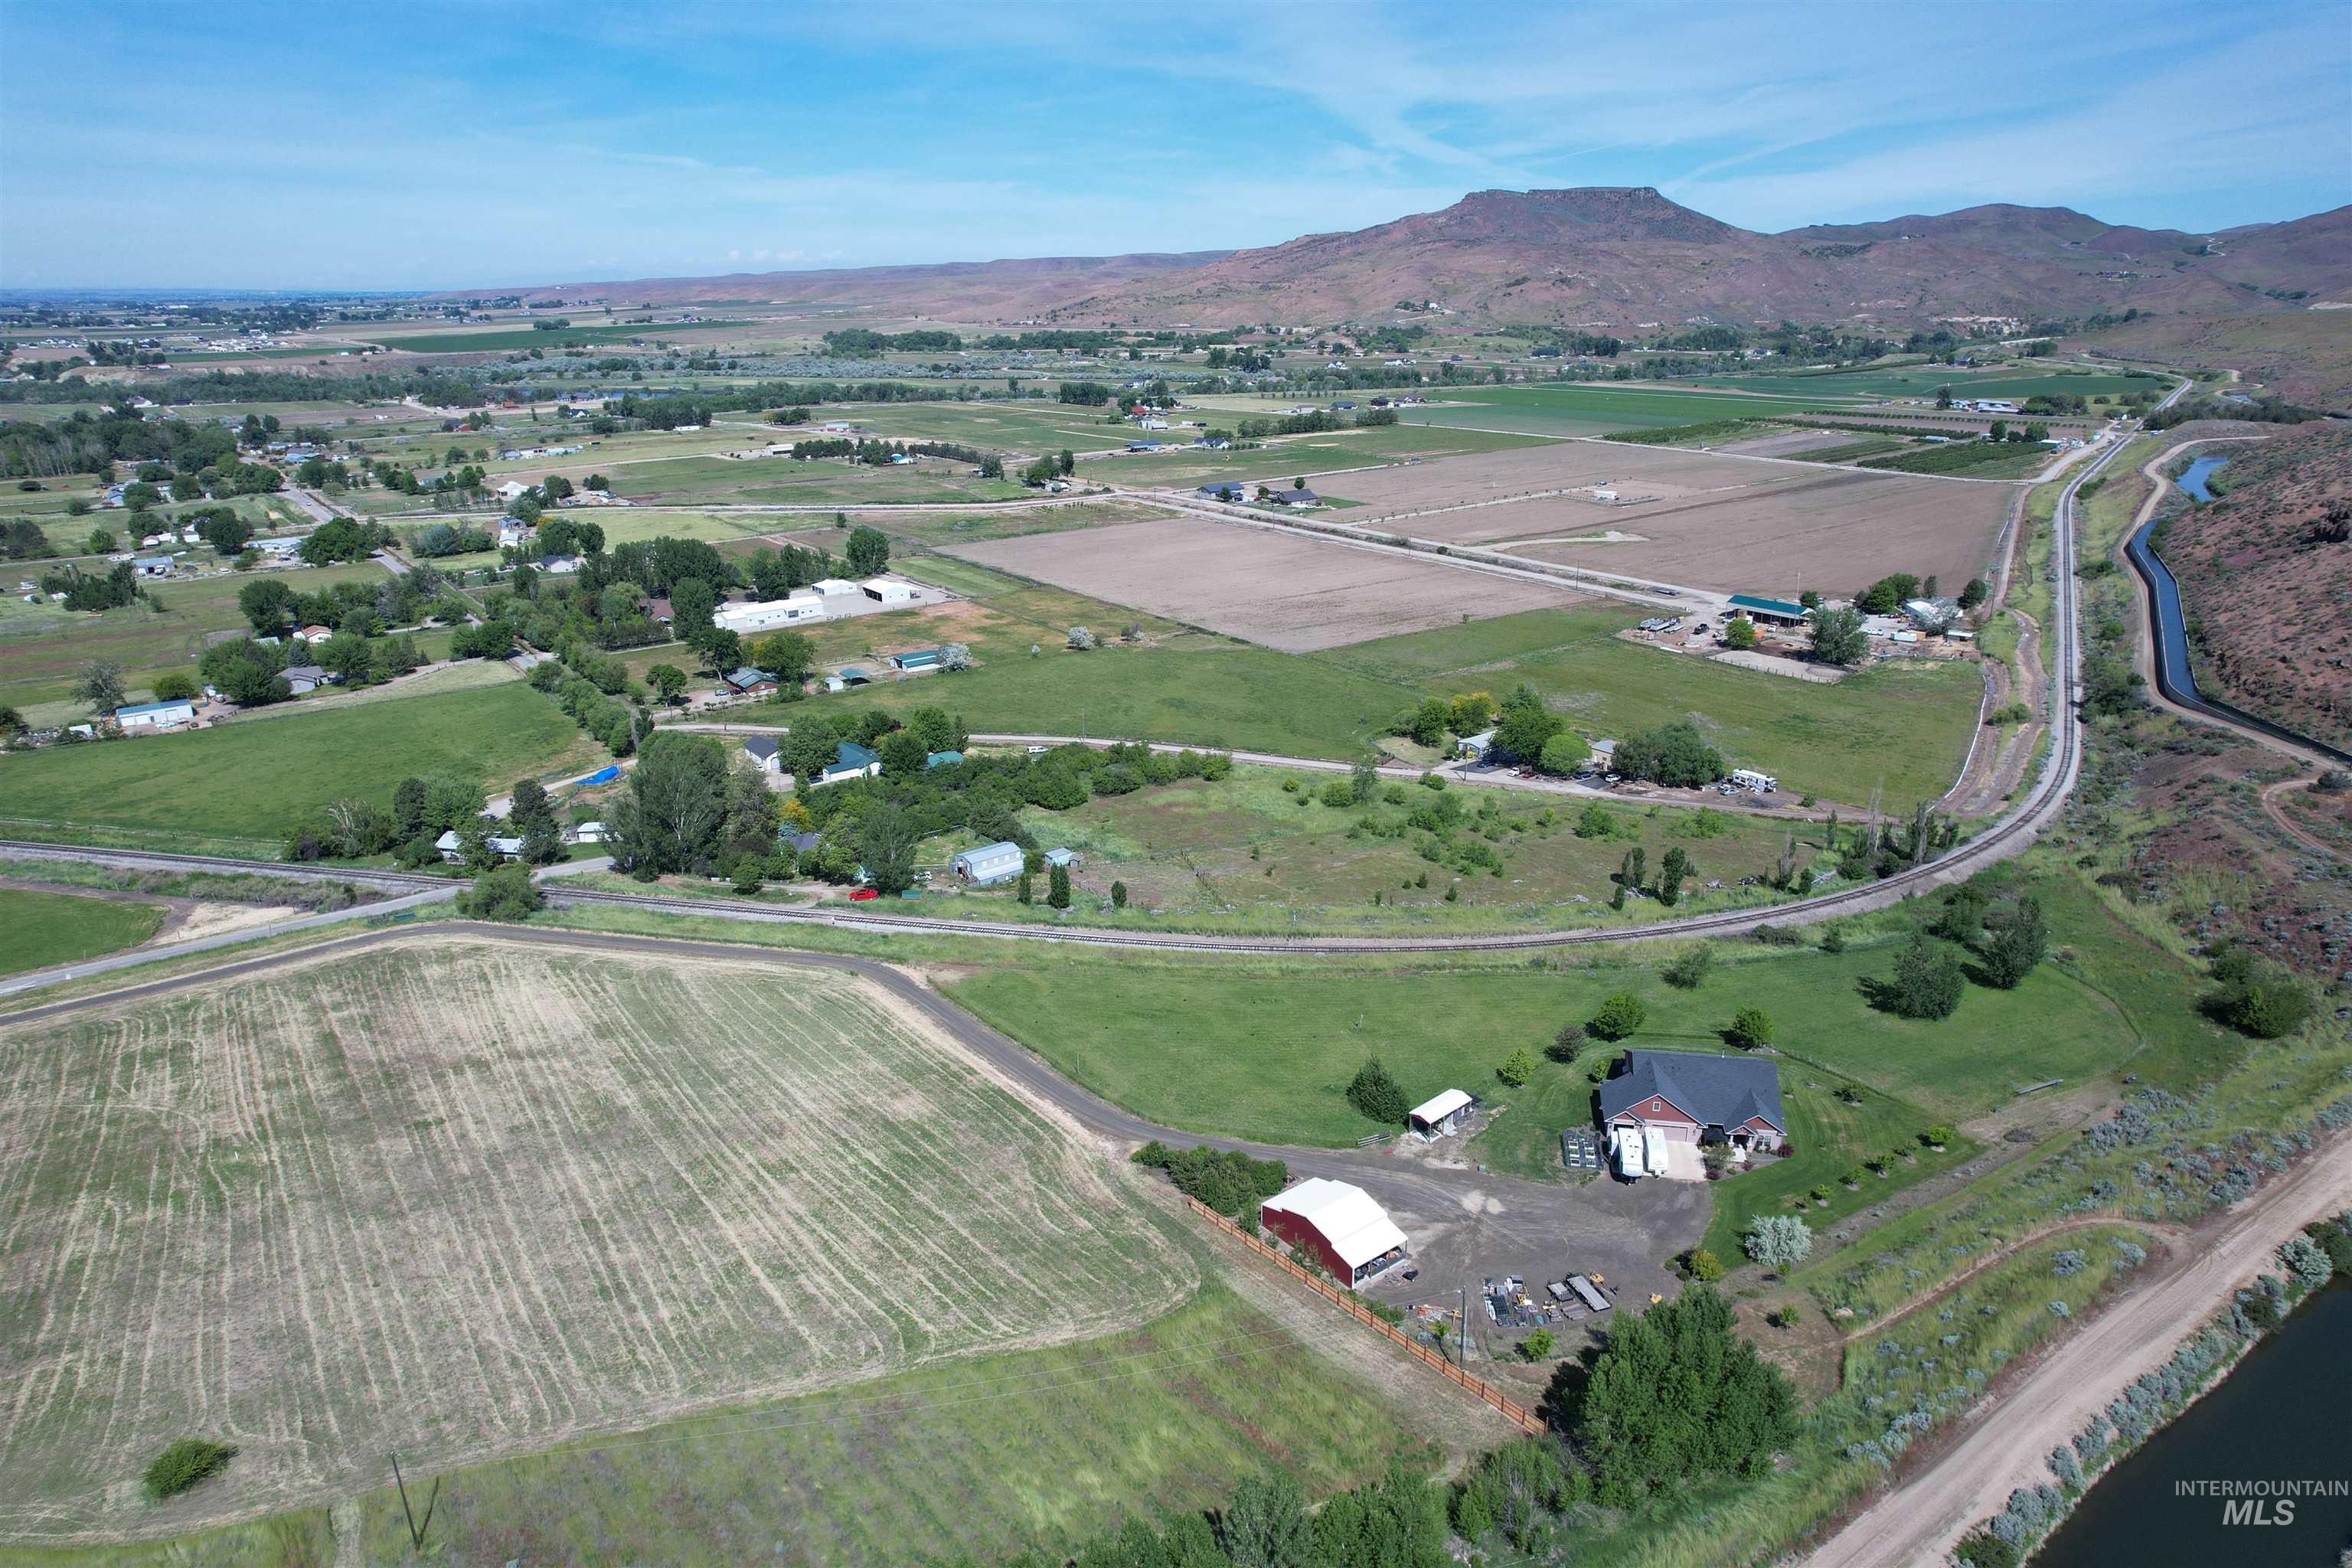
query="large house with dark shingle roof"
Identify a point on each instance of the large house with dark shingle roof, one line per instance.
(1697, 1099)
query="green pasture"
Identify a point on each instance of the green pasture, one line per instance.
(1037, 1447)
(1910, 725)
(44, 651)
(1596, 408)
(467, 341)
(781, 482)
(252, 780)
(39, 929)
(1285, 457)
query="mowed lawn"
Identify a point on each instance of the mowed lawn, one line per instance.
(252, 780)
(1907, 723)
(1027, 1449)
(40, 929)
(1265, 1052)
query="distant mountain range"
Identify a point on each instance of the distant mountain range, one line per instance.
(1614, 259)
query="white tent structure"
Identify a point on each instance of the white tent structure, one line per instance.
(1339, 1223)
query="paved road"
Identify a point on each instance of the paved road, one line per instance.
(1464, 1226)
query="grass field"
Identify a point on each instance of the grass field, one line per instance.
(38, 930)
(1910, 725)
(781, 481)
(1593, 408)
(1265, 1052)
(1025, 1447)
(1247, 853)
(469, 341)
(473, 1200)
(251, 780)
(1970, 460)
(43, 654)
(1922, 379)
(1288, 458)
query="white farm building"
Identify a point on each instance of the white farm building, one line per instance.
(767, 614)
(991, 863)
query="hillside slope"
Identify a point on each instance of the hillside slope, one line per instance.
(2266, 576)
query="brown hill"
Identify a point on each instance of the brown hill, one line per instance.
(1617, 258)
(2267, 574)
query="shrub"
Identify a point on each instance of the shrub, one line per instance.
(1517, 1068)
(1376, 1094)
(1778, 1240)
(1751, 1028)
(1928, 981)
(1982, 1548)
(1937, 1135)
(1687, 973)
(1706, 1267)
(1566, 1044)
(184, 1465)
(1536, 1345)
(1619, 1016)
(505, 893)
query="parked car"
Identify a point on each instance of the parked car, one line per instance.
(862, 894)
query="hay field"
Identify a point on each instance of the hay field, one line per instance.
(1694, 518)
(1281, 590)
(469, 1198)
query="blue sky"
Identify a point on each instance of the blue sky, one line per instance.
(354, 145)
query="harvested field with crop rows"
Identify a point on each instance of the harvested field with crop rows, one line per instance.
(467, 1199)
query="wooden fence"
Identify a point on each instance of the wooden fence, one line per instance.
(1512, 1410)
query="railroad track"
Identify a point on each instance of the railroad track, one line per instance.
(2008, 837)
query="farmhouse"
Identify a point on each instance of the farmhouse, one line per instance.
(762, 615)
(1227, 491)
(764, 753)
(850, 760)
(1778, 612)
(1299, 499)
(503, 847)
(989, 864)
(1437, 1117)
(156, 715)
(1338, 1225)
(746, 681)
(1688, 1099)
(304, 679)
(513, 489)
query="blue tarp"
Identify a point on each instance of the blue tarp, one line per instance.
(601, 775)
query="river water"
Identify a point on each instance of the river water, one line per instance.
(2284, 1414)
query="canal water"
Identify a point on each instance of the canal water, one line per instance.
(2192, 479)
(2283, 1414)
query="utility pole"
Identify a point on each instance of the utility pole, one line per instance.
(1462, 1340)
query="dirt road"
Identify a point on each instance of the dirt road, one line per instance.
(1918, 1522)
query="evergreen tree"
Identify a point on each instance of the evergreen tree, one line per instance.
(2019, 946)
(1928, 981)
(1676, 1395)
(1377, 1095)
(1058, 886)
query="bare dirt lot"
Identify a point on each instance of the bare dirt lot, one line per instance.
(1280, 590)
(1727, 524)
(464, 1198)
